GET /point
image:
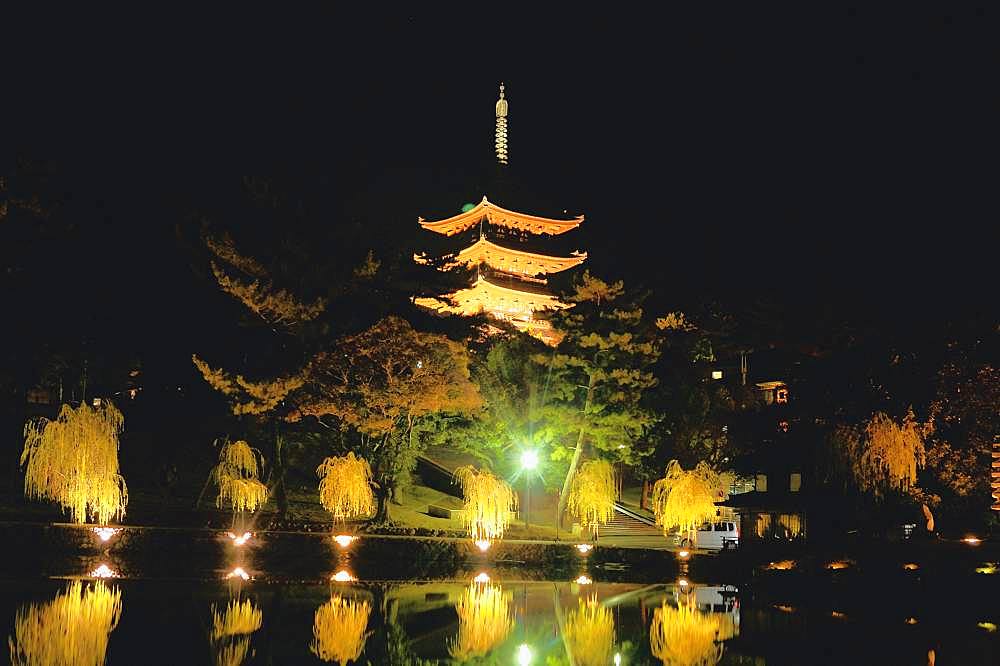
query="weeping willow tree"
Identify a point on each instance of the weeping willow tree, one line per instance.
(236, 477)
(891, 454)
(484, 621)
(345, 487)
(685, 499)
(339, 630)
(489, 500)
(74, 461)
(231, 631)
(592, 497)
(683, 636)
(879, 457)
(590, 633)
(73, 628)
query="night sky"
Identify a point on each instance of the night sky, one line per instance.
(823, 156)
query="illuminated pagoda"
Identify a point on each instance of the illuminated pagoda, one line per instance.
(511, 283)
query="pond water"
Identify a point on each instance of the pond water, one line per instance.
(485, 620)
(372, 604)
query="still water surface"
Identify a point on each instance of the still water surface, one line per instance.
(179, 599)
(485, 619)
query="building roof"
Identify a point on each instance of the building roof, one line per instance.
(508, 260)
(500, 301)
(486, 211)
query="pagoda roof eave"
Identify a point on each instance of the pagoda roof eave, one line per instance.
(490, 212)
(518, 260)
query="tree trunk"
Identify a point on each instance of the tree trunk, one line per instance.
(575, 462)
(383, 494)
(644, 495)
(280, 493)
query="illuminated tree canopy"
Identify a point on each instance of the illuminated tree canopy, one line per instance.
(488, 503)
(685, 499)
(236, 476)
(881, 456)
(592, 498)
(598, 375)
(345, 488)
(74, 461)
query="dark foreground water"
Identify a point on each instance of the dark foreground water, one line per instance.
(409, 603)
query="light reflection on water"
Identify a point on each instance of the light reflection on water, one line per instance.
(490, 618)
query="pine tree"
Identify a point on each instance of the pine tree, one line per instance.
(597, 377)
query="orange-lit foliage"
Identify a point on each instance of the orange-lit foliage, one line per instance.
(275, 306)
(592, 497)
(74, 461)
(236, 477)
(345, 488)
(685, 499)
(488, 503)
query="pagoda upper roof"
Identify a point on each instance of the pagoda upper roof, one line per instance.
(490, 212)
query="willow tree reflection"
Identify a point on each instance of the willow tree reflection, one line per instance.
(339, 629)
(684, 636)
(73, 628)
(590, 633)
(232, 630)
(484, 620)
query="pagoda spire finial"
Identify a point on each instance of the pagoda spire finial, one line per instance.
(501, 132)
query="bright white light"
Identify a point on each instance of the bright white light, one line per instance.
(972, 541)
(106, 533)
(618, 659)
(716, 374)
(239, 540)
(483, 577)
(103, 571)
(584, 547)
(483, 545)
(529, 459)
(238, 572)
(343, 576)
(343, 540)
(683, 583)
(583, 580)
(524, 655)
(684, 554)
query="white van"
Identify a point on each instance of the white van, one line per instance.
(721, 535)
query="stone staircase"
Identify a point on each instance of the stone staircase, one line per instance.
(629, 523)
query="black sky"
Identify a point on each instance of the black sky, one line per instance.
(820, 154)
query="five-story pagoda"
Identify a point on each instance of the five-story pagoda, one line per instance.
(511, 283)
